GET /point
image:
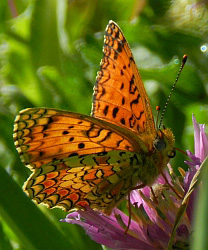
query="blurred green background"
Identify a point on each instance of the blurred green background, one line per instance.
(50, 52)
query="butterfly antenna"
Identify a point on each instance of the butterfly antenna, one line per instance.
(157, 117)
(168, 99)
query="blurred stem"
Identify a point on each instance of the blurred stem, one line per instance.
(12, 8)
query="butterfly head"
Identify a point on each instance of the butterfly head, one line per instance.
(164, 142)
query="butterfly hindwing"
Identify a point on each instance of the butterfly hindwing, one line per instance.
(98, 180)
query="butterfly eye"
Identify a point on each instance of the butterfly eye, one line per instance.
(171, 154)
(159, 144)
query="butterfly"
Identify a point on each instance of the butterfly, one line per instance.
(79, 160)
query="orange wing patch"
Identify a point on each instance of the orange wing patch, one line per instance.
(42, 135)
(119, 94)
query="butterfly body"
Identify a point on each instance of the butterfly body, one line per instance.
(79, 160)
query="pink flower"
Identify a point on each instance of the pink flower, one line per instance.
(201, 151)
(200, 143)
(152, 218)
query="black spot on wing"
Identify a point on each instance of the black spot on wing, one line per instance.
(65, 132)
(123, 121)
(115, 111)
(122, 86)
(132, 87)
(73, 154)
(105, 111)
(81, 145)
(135, 101)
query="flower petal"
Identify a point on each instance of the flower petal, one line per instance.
(196, 137)
(105, 230)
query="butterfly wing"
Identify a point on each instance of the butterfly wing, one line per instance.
(42, 135)
(119, 94)
(77, 160)
(98, 180)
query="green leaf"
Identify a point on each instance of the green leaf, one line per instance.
(200, 228)
(34, 232)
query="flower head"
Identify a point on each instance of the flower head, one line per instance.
(153, 210)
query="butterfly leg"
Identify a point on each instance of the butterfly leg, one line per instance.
(129, 205)
(153, 195)
(129, 221)
(171, 186)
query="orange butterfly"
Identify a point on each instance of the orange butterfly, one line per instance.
(79, 160)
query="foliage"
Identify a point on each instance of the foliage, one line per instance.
(50, 52)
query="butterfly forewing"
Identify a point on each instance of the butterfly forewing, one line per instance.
(119, 94)
(42, 135)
